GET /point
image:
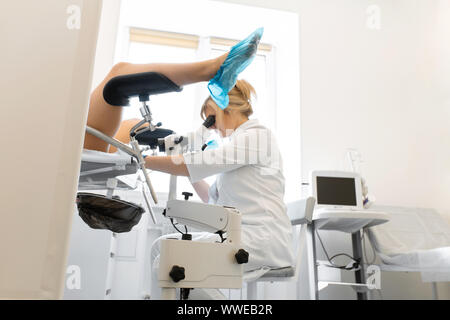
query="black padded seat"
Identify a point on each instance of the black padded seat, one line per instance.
(120, 89)
(150, 138)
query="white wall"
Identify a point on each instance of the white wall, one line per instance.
(385, 92)
(384, 96)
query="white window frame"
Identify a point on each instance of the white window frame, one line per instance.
(268, 53)
(205, 18)
(204, 46)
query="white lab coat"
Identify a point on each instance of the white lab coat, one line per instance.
(250, 178)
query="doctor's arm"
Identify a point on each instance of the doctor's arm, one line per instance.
(169, 164)
(175, 165)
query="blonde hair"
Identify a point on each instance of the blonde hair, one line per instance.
(240, 99)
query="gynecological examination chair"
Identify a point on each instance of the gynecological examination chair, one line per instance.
(184, 263)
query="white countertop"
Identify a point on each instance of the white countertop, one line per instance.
(348, 220)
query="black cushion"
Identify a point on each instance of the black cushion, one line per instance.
(119, 90)
(100, 212)
(150, 138)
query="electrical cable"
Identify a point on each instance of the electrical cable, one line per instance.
(342, 254)
(222, 239)
(174, 225)
(356, 261)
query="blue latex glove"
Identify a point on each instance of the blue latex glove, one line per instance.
(240, 56)
(212, 145)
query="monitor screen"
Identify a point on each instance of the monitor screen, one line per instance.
(336, 191)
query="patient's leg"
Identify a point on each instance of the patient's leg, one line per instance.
(106, 118)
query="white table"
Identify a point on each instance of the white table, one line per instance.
(349, 221)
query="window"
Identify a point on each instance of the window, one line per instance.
(152, 31)
(149, 46)
(258, 75)
(178, 111)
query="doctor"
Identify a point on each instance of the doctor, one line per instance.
(249, 177)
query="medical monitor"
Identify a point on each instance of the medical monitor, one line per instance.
(337, 189)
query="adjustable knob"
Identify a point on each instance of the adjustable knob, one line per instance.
(187, 195)
(177, 273)
(241, 256)
(178, 140)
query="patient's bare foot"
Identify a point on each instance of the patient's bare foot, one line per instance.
(239, 57)
(214, 65)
